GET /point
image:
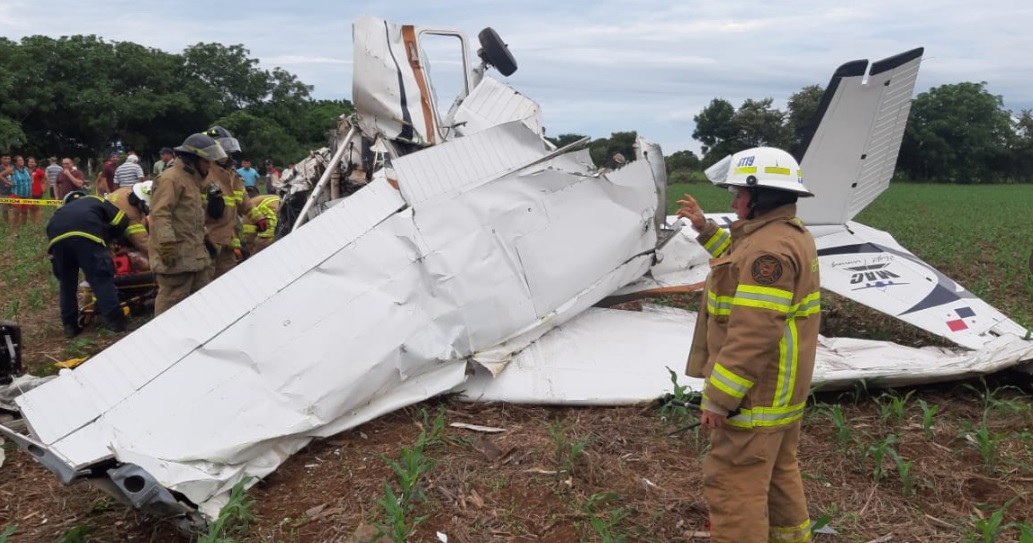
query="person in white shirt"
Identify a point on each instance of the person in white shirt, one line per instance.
(129, 173)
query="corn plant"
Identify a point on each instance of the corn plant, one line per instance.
(893, 406)
(567, 451)
(983, 441)
(993, 401)
(675, 412)
(7, 533)
(78, 534)
(1025, 533)
(877, 452)
(411, 466)
(235, 517)
(605, 527)
(929, 412)
(398, 527)
(989, 529)
(903, 472)
(844, 434)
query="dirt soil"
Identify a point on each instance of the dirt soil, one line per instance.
(631, 480)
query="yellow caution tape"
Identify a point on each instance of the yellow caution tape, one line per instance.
(30, 201)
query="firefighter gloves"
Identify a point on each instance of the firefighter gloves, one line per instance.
(168, 252)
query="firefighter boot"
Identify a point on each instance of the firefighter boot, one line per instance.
(116, 320)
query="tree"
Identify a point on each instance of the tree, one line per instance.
(564, 140)
(758, 125)
(603, 150)
(682, 160)
(1022, 148)
(716, 131)
(957, 133)
(801, 109)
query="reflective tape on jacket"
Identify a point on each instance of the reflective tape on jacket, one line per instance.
(718, 243)
(775, 299)
(731, 384)
(72, 234)
(719, 305)
(756, 417)
(136, 229)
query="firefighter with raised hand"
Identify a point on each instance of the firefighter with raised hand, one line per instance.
(269, 207)
(221, 220)
(754, 345)
(79, 232)
(135, 202)
(176, 245)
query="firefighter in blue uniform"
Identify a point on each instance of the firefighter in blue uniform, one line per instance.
(79, 232)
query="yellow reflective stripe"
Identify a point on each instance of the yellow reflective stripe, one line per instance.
(250, 229)
(746, 169)
(118, 218)
(809, 305)
(774, 299)
(728, 382)
(235, 243)
(788, 361)
(136, 229)
(74, 233)
(767, 416)
(776, 170)
(717, 243)
(268, 234)
(719, 305)
(793, 534)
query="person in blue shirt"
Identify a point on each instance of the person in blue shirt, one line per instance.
(21, 179)
(250, 176)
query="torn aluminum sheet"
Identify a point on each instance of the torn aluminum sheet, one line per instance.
(326, 331)
(612, 357)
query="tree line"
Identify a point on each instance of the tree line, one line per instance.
(956, 133)
(82, 97)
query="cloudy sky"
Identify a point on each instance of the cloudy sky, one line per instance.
(603, 66)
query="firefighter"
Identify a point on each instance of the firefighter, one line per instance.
(79, 232)
(754, 345)
(221, 220)
(258, 236)
(176, 246)
(135, 202)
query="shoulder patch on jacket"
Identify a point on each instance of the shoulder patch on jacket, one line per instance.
(766, 270)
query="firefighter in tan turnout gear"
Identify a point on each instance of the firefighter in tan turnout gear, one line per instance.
(177, 251)
(754, 344)
(135, 203)
(268, 205)
(222, 224)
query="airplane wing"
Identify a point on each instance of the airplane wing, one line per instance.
(870, 267)
(612, 357)
(851, 151)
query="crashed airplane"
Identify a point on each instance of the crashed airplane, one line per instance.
(430, 251)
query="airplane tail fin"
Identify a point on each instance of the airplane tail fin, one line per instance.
(849, 156)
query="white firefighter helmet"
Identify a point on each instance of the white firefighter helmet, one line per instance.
(762, 167)
(142, 190)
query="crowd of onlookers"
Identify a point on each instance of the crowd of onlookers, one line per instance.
(22, 178)
(27, 178)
